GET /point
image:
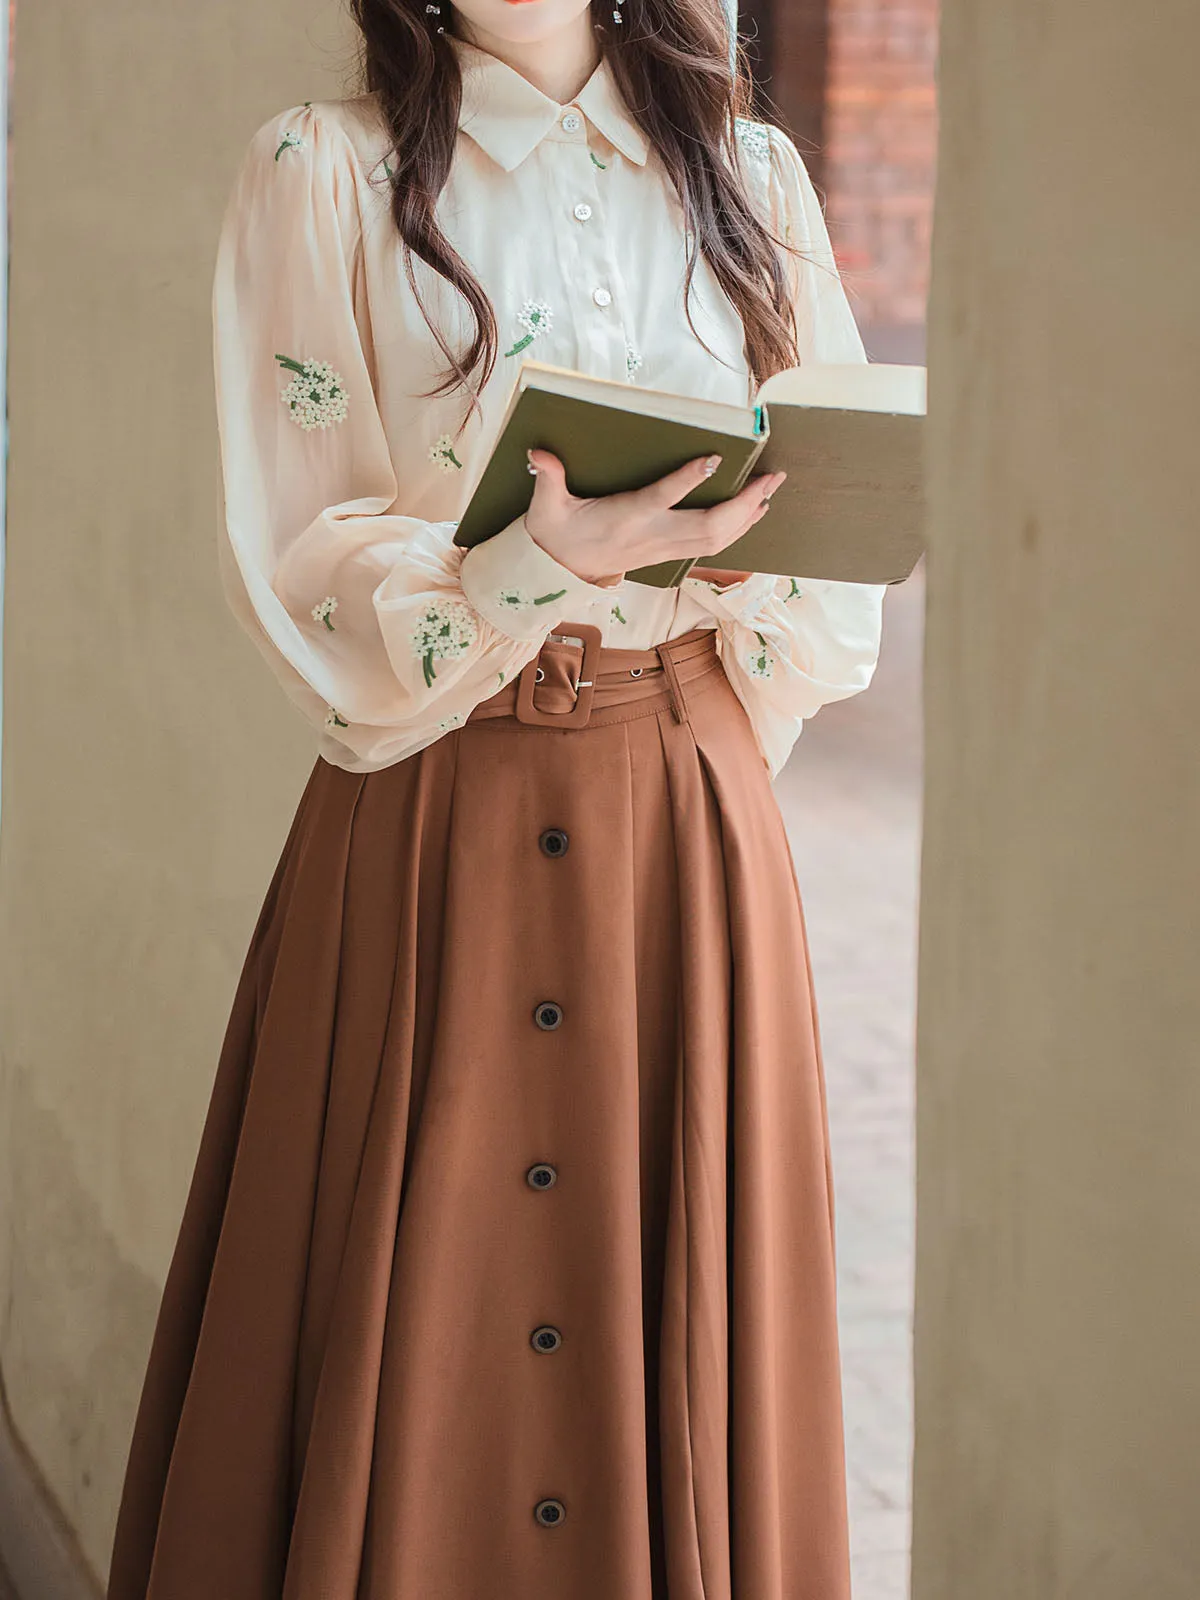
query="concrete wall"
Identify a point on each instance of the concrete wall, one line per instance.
(149, 766)
(1058, 1286)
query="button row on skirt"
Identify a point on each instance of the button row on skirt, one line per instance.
(548, 1015)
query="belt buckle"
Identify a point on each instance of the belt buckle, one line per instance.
(590, 637)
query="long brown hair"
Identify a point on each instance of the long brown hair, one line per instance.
(670, 59)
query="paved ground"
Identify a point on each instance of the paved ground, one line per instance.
(851, 797)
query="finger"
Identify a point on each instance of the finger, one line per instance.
(550, 480)
(677, 485)
(721, 525)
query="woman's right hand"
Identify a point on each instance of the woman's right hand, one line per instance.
(600, 540)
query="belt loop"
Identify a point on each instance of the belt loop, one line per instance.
(678, 703)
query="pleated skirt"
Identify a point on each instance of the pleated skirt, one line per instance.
(507, 1264)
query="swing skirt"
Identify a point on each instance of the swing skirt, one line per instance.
(507, 1264)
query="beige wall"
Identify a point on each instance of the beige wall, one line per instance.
(1058, 1320)
(150, 765)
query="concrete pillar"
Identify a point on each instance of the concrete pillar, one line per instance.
(149, 766)
(1058, 1282)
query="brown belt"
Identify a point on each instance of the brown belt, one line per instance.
(569, 685)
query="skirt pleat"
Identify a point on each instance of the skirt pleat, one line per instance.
(343, 1400)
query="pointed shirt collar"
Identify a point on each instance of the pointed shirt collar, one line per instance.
(507, 116)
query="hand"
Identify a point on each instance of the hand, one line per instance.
(600, 540)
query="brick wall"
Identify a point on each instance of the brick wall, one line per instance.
(853, 80)
(881, 152)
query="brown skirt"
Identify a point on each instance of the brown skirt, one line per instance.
(507, 1267)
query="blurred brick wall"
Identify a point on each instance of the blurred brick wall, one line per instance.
(854, 81)
(881, 152)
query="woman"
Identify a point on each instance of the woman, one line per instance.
(507, 1266)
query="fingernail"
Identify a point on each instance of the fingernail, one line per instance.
(532, 469)
(767, 493)
(711, 465)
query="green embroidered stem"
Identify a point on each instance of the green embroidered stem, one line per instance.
(596, 161)
(328, 624)
(427, 665)
(616, 611)
(450, 456)
(340, 721)
(793, 591)
(292, 366)
(521, 344)
(542, 599)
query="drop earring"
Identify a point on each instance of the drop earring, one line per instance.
(435, 11)
(617, 17)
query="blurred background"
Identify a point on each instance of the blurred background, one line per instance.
(853, 81)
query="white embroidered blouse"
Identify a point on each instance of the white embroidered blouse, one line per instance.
(343, 485)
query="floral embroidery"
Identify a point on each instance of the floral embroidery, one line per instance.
(291, 141)
(456, 721)
(324, 609)
(537, 318)
(334, 720)
(755, 138)
(445, 631)
(794, 593)
(442, 454)
(632, 360)
(761, 664)
(596, 161)
(316, 396)
(517, 599)
(616, 614)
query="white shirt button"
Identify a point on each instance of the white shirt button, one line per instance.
(583, 211)
(602, 297)
(572, 122)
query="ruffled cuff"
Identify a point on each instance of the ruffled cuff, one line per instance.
(737, 602)
(520, 588)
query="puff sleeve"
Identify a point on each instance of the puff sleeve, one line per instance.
(360, 610)
(790, 645)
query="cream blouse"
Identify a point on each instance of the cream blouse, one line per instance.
(343, 485)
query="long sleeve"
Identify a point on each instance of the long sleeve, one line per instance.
(791, 645)
(375, 623)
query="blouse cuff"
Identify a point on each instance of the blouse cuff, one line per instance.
(520, 588)
(736, 602)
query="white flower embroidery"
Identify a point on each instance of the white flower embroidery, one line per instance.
(632, 360)
(755, 138)
(761, 663)
(445, 631)
(316, 396)
(324, 609)
(291, 141)
(333, 719)
(537, 318)
(456, 721)
(442, 454)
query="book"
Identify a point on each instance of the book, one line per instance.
(850, 438)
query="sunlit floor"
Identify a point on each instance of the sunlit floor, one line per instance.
(851, 796)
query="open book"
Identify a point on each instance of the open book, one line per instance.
(850, 438)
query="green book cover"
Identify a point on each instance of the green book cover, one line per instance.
(605, 451)
(850, 437)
